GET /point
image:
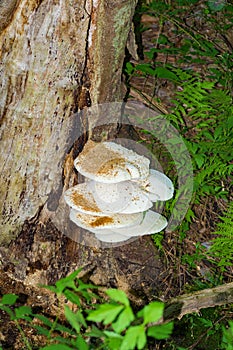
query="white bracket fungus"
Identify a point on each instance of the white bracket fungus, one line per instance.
(114, 201)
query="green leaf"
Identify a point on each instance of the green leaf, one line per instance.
(57, 347)
(23, 312)
(42, 330)
(114, 343)
(124, 320)
(95, 332)
(129, 68)
(62, 328)
(9, 299)
(215, 5)
(145, 68)
(112, 335)
(106, 313)
(8, 310)
(81, 344)
(73, 297)
(152, 312)
(162, 72)
(67, 282)
(73, 318)
(160, 331)
(118, 295)
(44, 319)
(199, 159)
(135, 336)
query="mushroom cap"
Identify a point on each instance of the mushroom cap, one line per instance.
(123, 197)
(109, 162)
(99, 199)
(111, 237)
(91, 222)
(81, 199)
(152, 223)
(158, 186)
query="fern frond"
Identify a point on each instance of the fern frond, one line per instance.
(222, 247)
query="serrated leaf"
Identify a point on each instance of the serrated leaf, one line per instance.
(124, 320)
(161, 331)
(9, 299)
(152, 312)
(135, 336)
(73, 297)
(73, 318)
(106, 313)
(118, 295)
(67, 282)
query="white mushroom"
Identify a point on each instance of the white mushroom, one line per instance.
(123, 197)
(158, 186)
(81, 199)
(151, 223)
(109, 162)
(111, 237)
(113, 203)
(92, 222)
(100, 199)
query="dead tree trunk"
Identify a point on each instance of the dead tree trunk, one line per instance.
(56, 57)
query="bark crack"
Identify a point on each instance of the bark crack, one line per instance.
(83, 79)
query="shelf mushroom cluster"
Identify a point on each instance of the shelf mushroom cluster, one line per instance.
(114, 201)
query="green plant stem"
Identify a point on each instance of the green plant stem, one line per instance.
(26, 342)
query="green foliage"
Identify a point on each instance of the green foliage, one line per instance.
(109, 325)
(202, 105)
(227, 339)
(222, 247)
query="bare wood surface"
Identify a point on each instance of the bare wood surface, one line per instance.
(188, 303)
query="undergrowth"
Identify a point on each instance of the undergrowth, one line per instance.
(97, 319)
(91, 322)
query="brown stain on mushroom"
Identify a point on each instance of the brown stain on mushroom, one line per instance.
(102, 221)
(111, 165)
(82, 202)
(100, 160)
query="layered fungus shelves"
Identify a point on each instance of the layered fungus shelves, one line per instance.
(116, 198)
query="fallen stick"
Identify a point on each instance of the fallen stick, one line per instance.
(193, 302)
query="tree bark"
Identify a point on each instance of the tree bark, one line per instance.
(57, 57)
